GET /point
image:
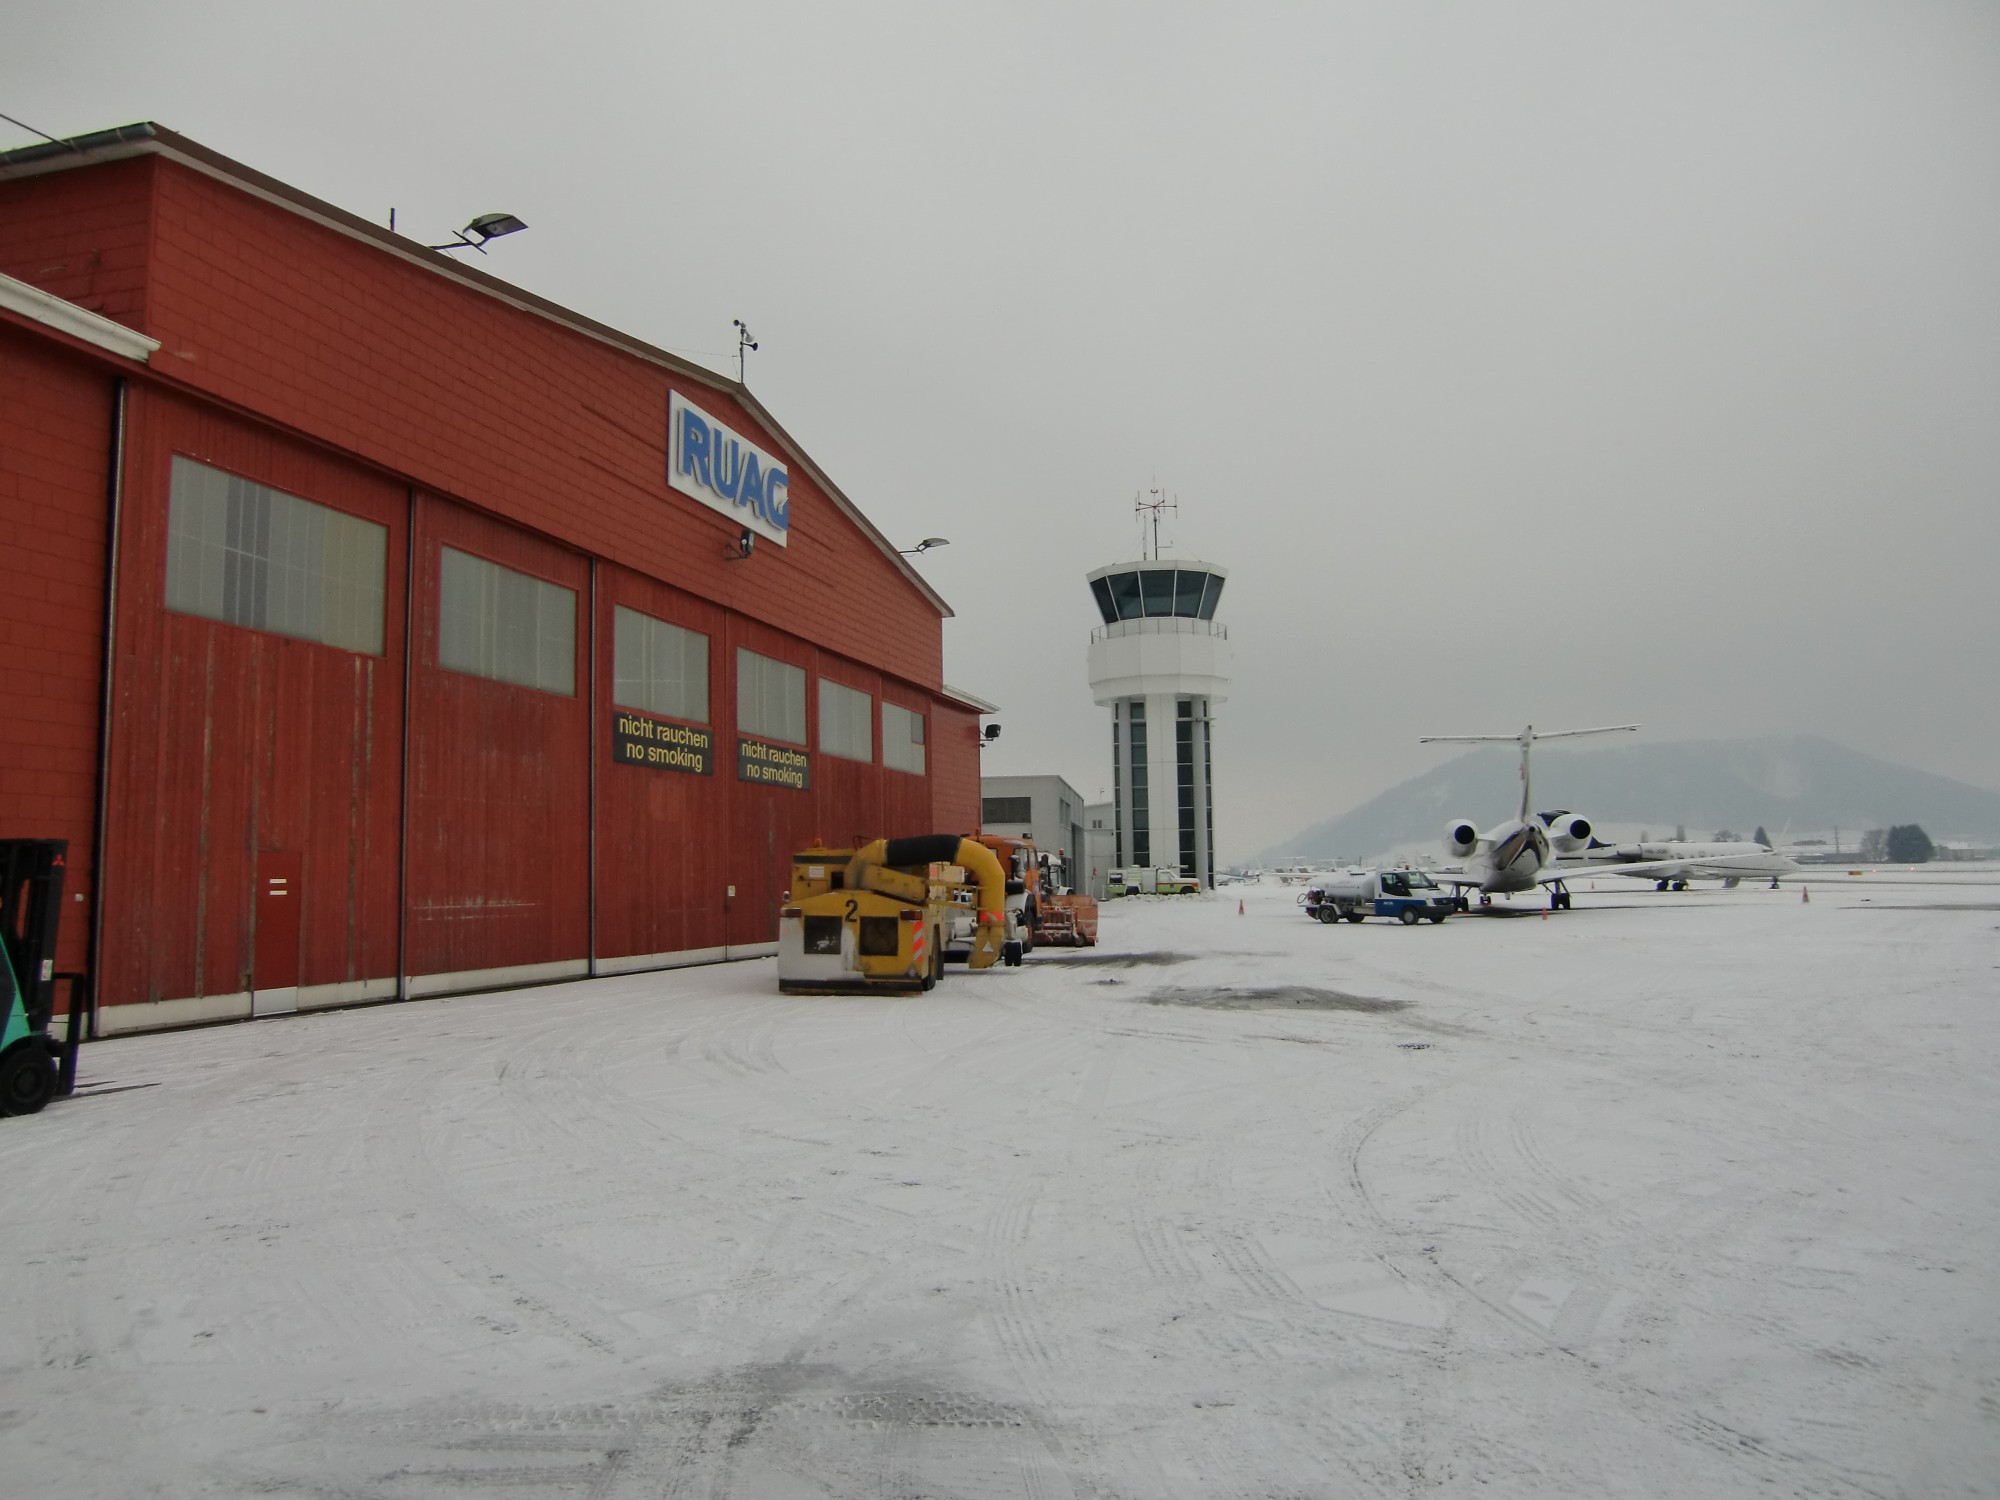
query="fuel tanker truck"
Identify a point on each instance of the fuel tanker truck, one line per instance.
(878, 919)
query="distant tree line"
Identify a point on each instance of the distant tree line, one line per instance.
(1902, 844)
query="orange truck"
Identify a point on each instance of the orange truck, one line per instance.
(1040, 908)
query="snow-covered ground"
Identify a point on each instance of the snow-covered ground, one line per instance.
(1690, 1194)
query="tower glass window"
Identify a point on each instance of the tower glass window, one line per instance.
(1125, 595)
(1142, 815)
(1100, 589)
(1184, 781)
(1187, 594)
(1208, 787)
(1211, 596)
(1117, 788)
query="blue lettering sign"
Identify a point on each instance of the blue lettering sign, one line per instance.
(694, 444)
(729, 487)
(726, 471)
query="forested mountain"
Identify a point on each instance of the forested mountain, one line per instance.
(1803, 782)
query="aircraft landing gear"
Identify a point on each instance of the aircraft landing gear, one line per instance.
(1659, 885)
(1680, 885)
(1558, 897)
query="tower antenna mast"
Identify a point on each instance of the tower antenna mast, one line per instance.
(1149, 510)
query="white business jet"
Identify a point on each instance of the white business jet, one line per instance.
(1527, 852)
(1675, 863)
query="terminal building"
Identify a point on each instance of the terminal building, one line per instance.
(373, 628)
(1044, 809)
(1160, 662)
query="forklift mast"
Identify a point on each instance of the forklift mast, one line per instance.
(31, 891)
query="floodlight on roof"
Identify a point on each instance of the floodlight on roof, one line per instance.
(925, 545)
(480, 230)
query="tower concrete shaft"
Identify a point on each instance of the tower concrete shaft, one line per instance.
(1160, 662)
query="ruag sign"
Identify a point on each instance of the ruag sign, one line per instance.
(727, 472)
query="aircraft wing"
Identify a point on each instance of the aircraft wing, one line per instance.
(1721, 862)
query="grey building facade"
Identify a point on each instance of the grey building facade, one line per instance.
(1046, 809)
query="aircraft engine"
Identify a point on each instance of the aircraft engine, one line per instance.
(1569, 832)
(1461, 838)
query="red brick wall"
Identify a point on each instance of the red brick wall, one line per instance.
(83, 236)
(660, 841)
(953, 761)
(499, 407)
(55, 435)
(671, 844)
(499, 792)
(227, 742)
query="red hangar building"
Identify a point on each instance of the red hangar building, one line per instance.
(373, 629)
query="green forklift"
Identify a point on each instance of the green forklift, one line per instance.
(32, 1070)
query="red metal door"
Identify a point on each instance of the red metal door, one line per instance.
(275, 976)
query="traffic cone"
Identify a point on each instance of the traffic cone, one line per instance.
(1805, 894)
(1545, 914)
(1239, 906)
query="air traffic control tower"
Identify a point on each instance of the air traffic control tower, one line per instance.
(1160, 662)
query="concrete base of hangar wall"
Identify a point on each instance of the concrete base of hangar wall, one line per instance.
(164, 1015)
(208, 1010)
(514, 976)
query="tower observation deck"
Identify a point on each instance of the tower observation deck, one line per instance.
(1160, 662)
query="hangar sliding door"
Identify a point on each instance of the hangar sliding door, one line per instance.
(275, 944)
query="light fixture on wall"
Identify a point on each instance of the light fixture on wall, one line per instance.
(480, 230)
(925, 545)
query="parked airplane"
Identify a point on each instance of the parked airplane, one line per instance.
(1526, 852)
(1675, 863)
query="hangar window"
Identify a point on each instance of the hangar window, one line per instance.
(658, 667)
(248, 555)
(844, 727)
(770, 697)
(512, 627)
(902, 739)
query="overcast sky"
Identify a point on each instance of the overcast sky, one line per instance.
(1567, 362)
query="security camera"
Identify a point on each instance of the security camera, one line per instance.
(992, 732)
(746, 542)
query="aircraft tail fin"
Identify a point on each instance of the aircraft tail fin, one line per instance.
(1525, 739)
